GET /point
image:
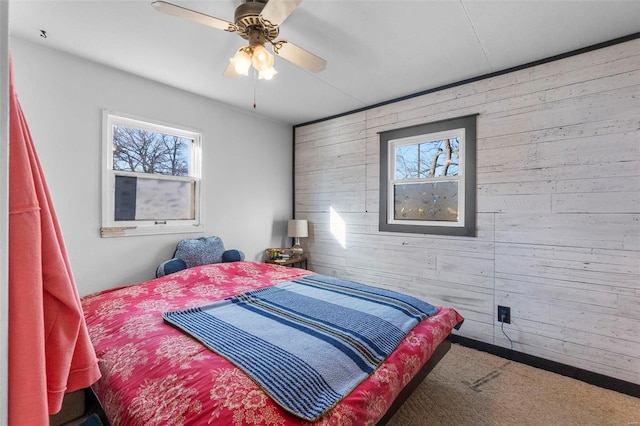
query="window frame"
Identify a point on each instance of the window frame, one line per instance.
(112, 228)
(466, 224)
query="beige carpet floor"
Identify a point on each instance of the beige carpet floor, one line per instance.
(469, 387)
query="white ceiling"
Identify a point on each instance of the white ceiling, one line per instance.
(376, 50)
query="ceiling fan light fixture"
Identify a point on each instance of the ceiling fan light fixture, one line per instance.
(262, 60)
(267, 74)
(241, 62)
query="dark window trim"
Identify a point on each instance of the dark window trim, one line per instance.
(467, 122)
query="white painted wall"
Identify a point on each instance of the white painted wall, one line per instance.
(558, 185)
(246, 163)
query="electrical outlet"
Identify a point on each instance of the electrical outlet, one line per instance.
(504, 314)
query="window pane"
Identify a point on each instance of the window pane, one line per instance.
(153, 199)
(436, 201)
(144, 151)
(439, 158)
(125, 198)
(428, 159)
(407, 161)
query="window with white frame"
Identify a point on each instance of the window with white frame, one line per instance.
(427, 182)
(151, 177)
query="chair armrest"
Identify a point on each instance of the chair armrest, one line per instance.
(232, 256)
(170, 266)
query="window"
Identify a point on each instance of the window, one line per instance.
(427, 178)
(151, 179)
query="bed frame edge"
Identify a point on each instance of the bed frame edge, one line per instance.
(404, 394)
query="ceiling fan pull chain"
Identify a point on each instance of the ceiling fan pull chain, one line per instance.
(254, 88)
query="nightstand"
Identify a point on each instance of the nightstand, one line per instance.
(298, 262)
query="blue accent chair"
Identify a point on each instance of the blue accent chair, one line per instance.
(198, 251)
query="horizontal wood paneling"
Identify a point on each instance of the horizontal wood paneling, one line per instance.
(558, 185)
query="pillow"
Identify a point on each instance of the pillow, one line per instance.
(170, 266)
(200, 251)
(232, 256)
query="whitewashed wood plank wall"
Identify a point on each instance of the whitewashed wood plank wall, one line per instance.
(558, 185)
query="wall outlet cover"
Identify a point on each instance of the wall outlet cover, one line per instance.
(504, 314)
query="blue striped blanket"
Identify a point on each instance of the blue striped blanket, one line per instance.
(308, 343)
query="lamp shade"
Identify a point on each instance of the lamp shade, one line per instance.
(297, 228)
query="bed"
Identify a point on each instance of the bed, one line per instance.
(153, 373)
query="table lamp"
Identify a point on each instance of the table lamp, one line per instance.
(297, 228)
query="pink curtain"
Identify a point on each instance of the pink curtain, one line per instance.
(49, 348)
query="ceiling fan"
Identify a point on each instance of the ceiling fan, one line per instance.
(258, 22)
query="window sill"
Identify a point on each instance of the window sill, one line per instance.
(130, 231)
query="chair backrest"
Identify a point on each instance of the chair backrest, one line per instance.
(200, 251)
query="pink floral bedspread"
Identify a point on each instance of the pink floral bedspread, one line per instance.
(153, 374)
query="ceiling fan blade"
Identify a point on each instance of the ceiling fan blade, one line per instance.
(298, 56)
(276, 11)
(192, 15)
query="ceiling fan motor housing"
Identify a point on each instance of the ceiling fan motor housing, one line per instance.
(247, 18)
